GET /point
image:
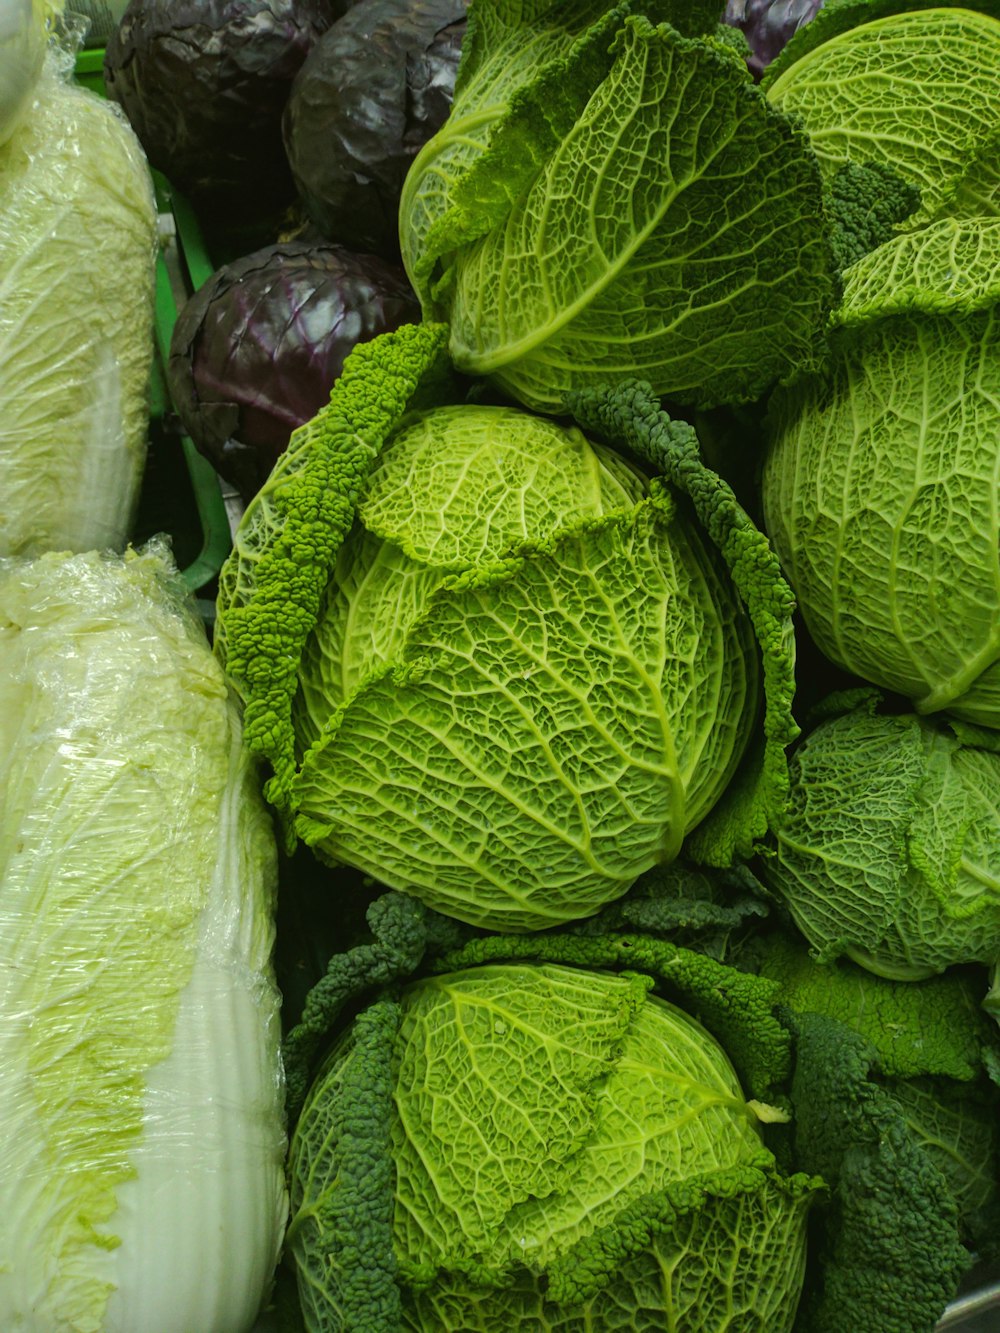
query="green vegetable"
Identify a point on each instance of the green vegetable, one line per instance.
(915, 91)
(935, 1027)
(22, 50)
(77, 273)
(891, 1257)
(883, 1087)
(865, 206)
(504, 728)
(567, 1151)
(141, 1167)
(929, 1044)
(879, 484)
(611, 197)
(959, 1129)
(466, 697)
(888, 849)
(880, 479)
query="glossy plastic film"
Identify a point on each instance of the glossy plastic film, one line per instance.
(141, 1163)
(78, 250)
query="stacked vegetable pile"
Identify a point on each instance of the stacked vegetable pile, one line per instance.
(653, 898)
(289, 126)
(455, 692)
(142, 1174)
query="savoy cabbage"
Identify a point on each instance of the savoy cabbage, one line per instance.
(879, 484)
(460, 691)
(567, 1150)
(920, 797)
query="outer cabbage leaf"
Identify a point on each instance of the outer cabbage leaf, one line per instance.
(959, 1129)
(630, 416)
(835, 17)
(658, 274)
(879, 494)
(890, 1256)
(916, 91)
(932, 1027)
(77, 255)
(341, 1185)
(947, 267)
(509, 45)
(271, 586)
(141, 1174)
(887, 850)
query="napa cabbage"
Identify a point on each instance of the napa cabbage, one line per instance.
(141, 1165)
(77, 280)
(22, 49)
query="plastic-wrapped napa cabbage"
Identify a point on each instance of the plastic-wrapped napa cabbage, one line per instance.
(77, 283)
(141, 1160)
(22, 49)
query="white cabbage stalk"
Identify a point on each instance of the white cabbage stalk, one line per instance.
(77, 287)
(141, 1161)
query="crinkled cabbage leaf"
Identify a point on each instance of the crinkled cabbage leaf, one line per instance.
(915, 90)
(617, 199)
(888, 850)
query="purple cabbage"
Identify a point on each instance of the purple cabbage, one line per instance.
(204, 84)
(372, 91)
(768, 25)
(256, 350)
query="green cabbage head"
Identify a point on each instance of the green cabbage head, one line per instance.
(530, 678)
(889, 851)
(564, 1151)
(880, 482)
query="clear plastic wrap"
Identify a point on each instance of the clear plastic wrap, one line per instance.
(22, 47)
(141, 1159)
(77, 289)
